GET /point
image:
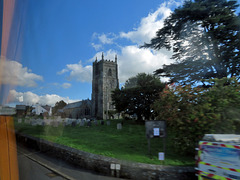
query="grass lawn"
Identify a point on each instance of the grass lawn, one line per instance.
(130, 143)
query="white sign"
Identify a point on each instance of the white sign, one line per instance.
(118, 166)
(113, 166)
(156, 131)
(161, 156)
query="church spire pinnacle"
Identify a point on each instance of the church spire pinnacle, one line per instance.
(116, 58)
(102, 56)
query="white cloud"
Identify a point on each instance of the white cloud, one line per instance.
(14, 73)
(149, 25)
(105, 39)
(133, 60)
(97, 47)
(62, 71)
(30, 98)
(78, 72)
(66, 85)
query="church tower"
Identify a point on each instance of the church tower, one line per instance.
(105, 80)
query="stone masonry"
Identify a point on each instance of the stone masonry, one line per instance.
(105, 80)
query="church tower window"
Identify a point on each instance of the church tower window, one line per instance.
(110, 72)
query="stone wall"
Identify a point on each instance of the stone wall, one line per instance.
(102, 164)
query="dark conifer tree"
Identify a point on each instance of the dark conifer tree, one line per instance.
(205, 39)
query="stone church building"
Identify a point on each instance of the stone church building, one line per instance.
(104, 81)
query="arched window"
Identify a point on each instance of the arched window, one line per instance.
(87, 111)
(110, 72)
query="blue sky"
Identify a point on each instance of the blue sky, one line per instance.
(57, 41)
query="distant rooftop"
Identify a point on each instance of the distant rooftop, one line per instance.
(76, 104)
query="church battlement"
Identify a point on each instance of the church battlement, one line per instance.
(105, 60)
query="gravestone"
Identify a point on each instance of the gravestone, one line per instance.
(19, 120)
(82, 123)
(95, 122)
(102, 122)
(38, 121)
(119, 126)
(108, 123)
(51, 123)
(89, 123)
(68, 122)
(48, 122)
(74, 123)
(78, 121)
(55, 124)
(27, 121)
(33, 122)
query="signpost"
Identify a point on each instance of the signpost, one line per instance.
(156, 129)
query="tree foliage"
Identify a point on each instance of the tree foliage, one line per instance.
(205, 39)
(194, 111)
(58, 105)
(137, 96)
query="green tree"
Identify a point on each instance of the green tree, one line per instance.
(59, 105)
(205, 39)
(137, 96)
(193, 111)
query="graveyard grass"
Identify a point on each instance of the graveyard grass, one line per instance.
(129, 143)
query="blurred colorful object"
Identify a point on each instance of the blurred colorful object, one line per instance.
(8, 149)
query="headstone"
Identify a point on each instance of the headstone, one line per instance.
(55, 124)
(27, 121)
(108, 123)
(102, 122)
(68, 122)
(95, 122)
(39, 121)
(74, 123)
(89, 123)
(78, 121)
(33, 122)
(48, 122)
(119, 126)
(51, 123)
(19, 120)
(82, 122)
